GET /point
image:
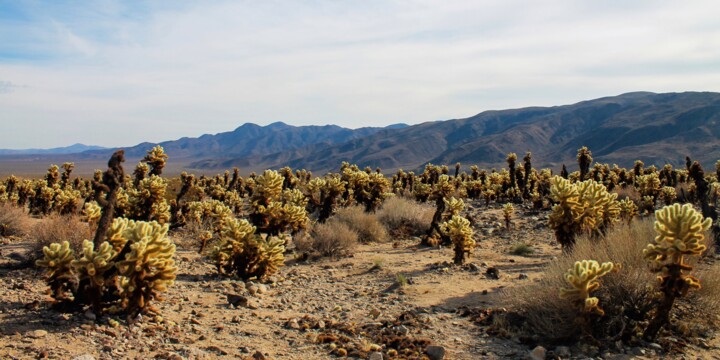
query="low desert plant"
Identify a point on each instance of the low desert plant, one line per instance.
(522, 249)
(366, 225)
(332, 238)
(405, 217)
(13, 221)
(56, 229)
(626, 295)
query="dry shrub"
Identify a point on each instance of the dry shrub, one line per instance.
(13, 221)
(56, 229)
(188, 237)
(708, 297)
(625, 295)
(628, 192)
(405, 217)
(332, 238)
(366, 225)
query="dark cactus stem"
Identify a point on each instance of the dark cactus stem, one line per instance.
(688, 163)
(584, 158)
(701, 193)
(528, 169)
(435, 225)
(457, 169)
(670, 293)
(564, 173)
(111, 182)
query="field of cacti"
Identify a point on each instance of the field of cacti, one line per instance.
(469, 263)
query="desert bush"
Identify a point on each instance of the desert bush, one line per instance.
(366, 225)
(628, 192)
(13, 221)
(626, 295)
(56, 229)
(522, 249)
(405, 217)
(332, 238)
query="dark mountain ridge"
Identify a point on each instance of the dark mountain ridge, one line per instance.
(657, 128)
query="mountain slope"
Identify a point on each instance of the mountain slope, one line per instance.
(656, 128)
(72, 149)
(247, 140)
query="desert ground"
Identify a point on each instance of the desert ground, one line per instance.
(393, 291)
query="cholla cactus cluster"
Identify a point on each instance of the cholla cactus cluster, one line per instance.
(244, 253)
(128, 270)
(585, 206)
(275, 210)
(459, 231)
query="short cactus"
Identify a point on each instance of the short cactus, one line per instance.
(458, 229)
(583, 279)
(680, 233)
(508, 211)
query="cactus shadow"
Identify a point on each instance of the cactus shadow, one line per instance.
(27, 317)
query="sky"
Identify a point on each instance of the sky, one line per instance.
(117, 73)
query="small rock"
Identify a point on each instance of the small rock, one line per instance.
(492, 273)
(90, 315)
(375, 356)
(563, 351)
(637, 351)
(37, 334)
(538, 353)
(402, 330)
(84, 357)
(261, 289)
(252, 289)
(292, 324)
(522, 276)
(237, 300)
(435, 352)
(655, 346)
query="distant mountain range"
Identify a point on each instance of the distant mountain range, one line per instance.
(72, 149)
(656, 128)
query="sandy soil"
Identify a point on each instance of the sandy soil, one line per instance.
(362, 292)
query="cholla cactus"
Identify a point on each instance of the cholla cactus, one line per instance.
(91, 213)
(274, 211)
(243, 253)
(156, 158)
(459, 231)
(147, 201)
(668, 194)
(131, 266)
(148, 269)
(680, 233)
(628, 210)
(564, 214)
(508, 211)
(61, 274)
(454, 206)
(586, 206)
(584, 158)
(583, 279)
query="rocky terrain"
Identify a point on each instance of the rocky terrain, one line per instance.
(395, 291)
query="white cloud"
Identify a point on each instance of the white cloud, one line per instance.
(119, 75)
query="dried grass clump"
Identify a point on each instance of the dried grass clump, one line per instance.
(405, 217)
(366, 225)
(708, 297)
(626, 295)
(13, 221)
(56, 229)
(628, 192)
(333, 239)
